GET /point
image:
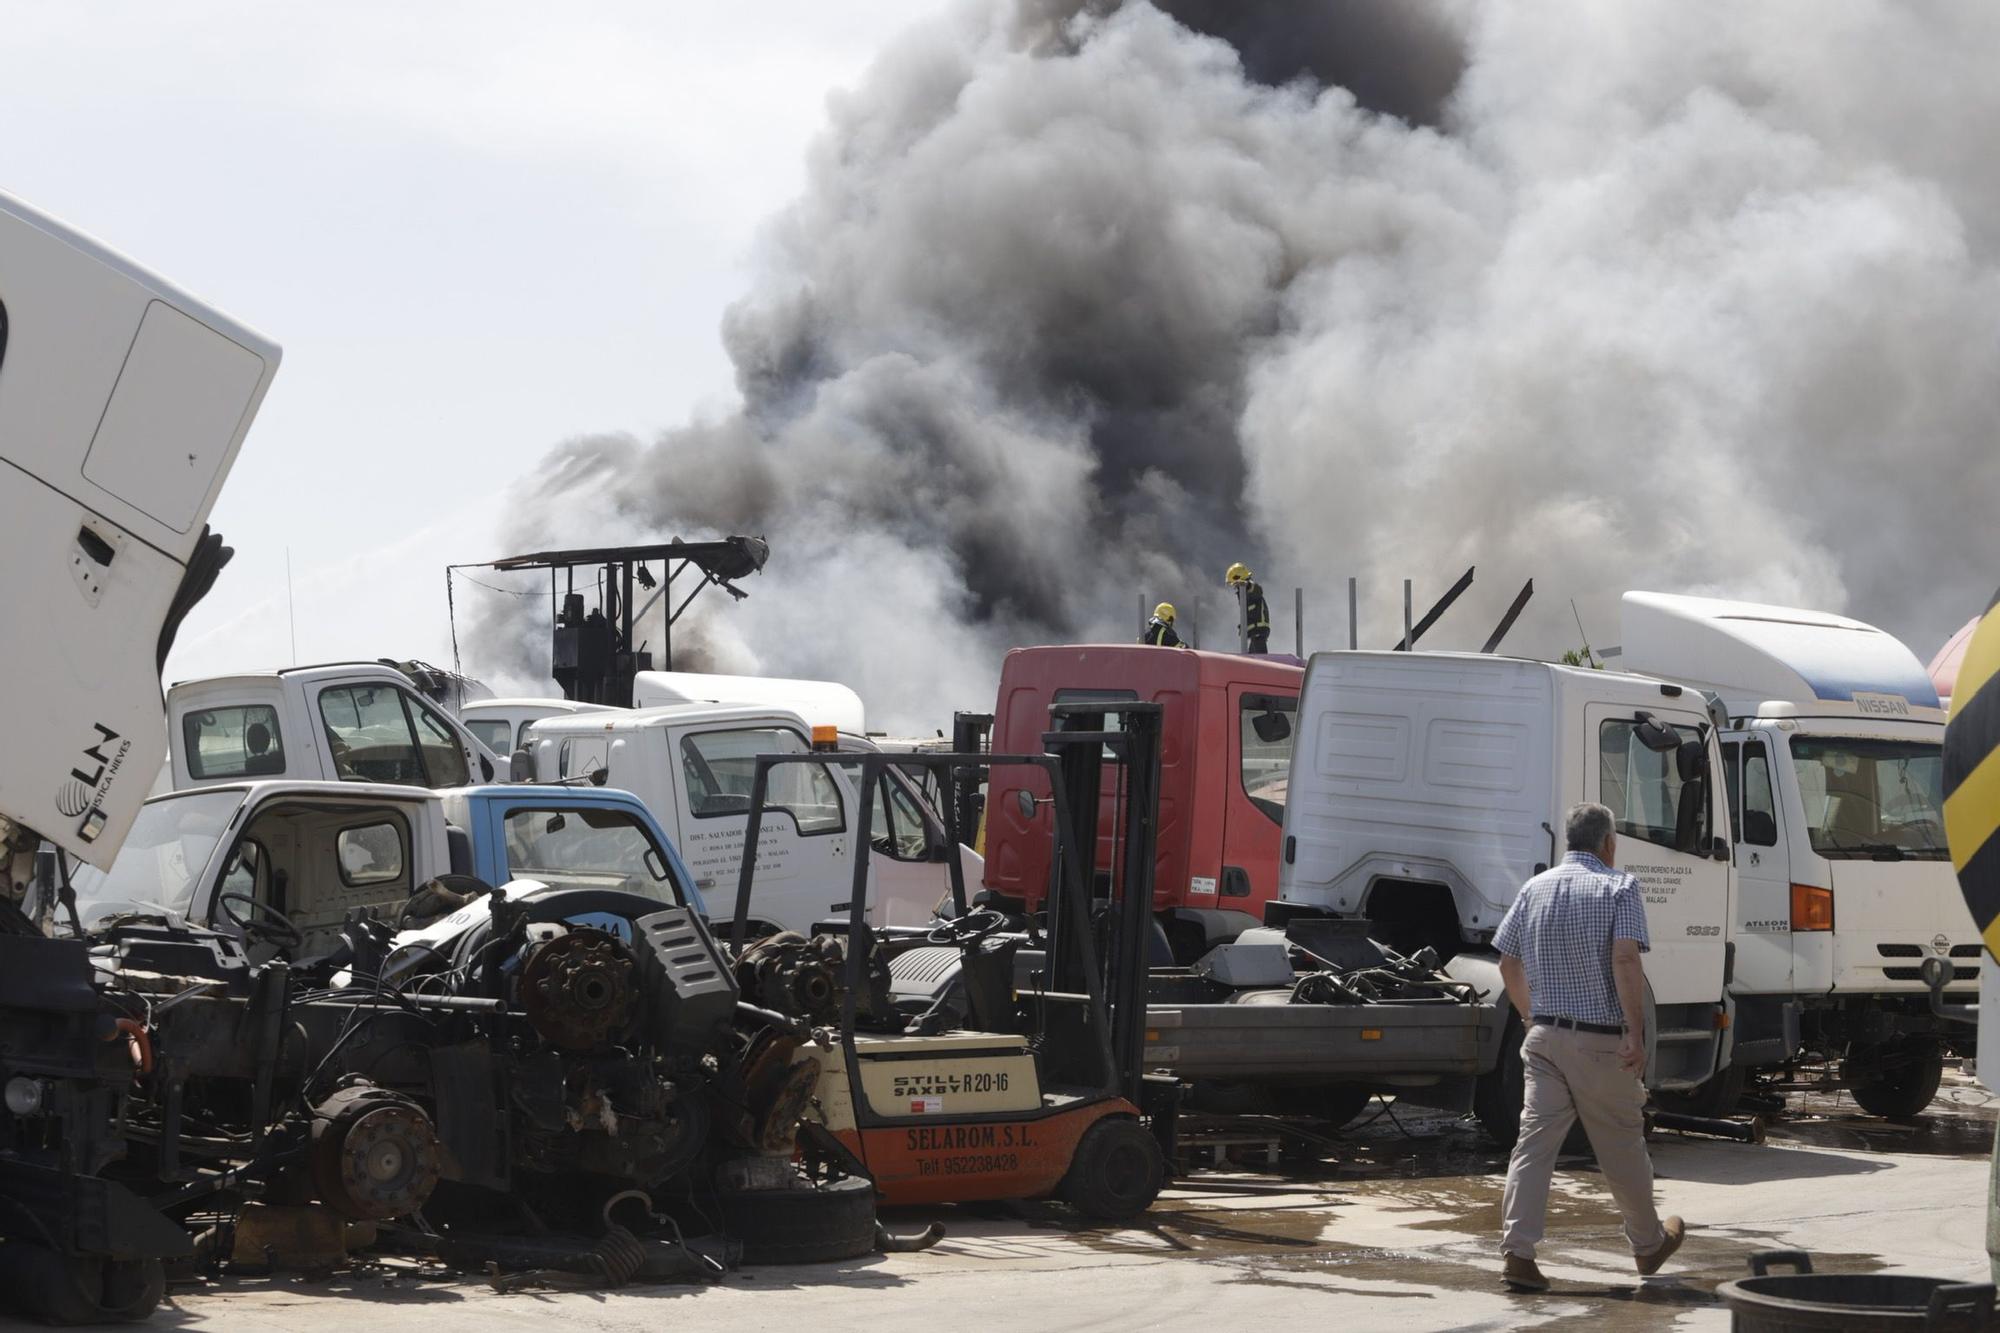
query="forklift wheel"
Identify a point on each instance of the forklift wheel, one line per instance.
(1117, 1171)
(802, 1226)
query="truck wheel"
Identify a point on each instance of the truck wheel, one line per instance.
(1895, 1079)
(802, 1226)
(1498, 1094)
(1117, 1171)
(1713, 1099)
(1335, 1105)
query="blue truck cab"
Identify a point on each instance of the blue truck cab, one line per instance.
(566, 837)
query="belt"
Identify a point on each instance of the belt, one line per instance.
(1576, 1024)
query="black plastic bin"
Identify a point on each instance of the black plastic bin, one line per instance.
(1803, 1301)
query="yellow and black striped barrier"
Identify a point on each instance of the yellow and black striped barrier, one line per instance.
(1972, 777)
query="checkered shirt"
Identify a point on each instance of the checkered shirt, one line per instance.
(1561, 928)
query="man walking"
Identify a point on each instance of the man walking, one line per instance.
(1569, 954)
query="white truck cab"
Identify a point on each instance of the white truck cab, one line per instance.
(691, 764)
(1834, 760)
(123, 402)
(501, 725)
(1426, 788)
(343, 722)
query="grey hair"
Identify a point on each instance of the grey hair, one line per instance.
(1586, 825)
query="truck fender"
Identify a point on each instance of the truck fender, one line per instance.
(1482, 972)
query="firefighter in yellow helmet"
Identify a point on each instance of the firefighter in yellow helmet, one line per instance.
(1160, 629)
(1256, 611)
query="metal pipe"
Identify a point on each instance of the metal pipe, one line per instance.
(1408, 633)
(1513, 614)
(1353, 613)
(1298, 622)
(1742, 1131)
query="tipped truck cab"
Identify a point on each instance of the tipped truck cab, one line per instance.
(343, 722)
(123, 402)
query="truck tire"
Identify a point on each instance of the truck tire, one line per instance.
(1896, 1079)
(1336, 1104)
(1497, 1095)
(802, 1226)
(1117, 1171)
(1713, 1099)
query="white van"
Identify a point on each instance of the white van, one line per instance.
(692, 766)
(1833, 751)
(1427, 788)
(502, 724)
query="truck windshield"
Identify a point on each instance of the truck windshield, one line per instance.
(589, 849)
(161, 863)
(1868, 799)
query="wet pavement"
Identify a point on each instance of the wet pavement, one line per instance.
(1390, 1225)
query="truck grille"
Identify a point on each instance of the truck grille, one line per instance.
(1913, 974)
(1965, 950)
(1900, 950)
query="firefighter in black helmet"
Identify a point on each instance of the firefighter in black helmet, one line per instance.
(1160, 629)
(1256, 611)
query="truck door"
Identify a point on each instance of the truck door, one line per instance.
(1666, 816)
(1760, 922)
(1260, 733)
(802, 847)
(909, 873)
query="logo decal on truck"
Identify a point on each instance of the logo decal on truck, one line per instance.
(1881, 705)
(89, 780)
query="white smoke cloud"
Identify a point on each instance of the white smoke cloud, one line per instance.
(1077, 308)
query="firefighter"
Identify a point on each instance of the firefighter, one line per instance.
(1256, 611)
(1160, 629)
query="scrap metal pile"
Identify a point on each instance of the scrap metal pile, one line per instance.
(561, 1082)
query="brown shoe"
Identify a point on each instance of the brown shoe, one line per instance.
(1649, 1262)
(1522, 1275)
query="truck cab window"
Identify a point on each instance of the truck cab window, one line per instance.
(1758, 824)
(444, 757)
(493, 733)
(1643, 787)
(719, 767)
(1869, 799)
(1265, 723)
(896, 822)
(370, 735)
(588, 849)
(241, 742)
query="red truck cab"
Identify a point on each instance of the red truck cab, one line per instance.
(1226, 746)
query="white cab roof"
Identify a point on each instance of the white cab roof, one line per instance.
(1776, 660)
(823, 703)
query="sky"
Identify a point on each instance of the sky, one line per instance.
(475, 229)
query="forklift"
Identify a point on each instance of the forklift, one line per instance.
(1037, 1090)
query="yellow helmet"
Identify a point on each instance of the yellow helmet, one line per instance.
(1238, 573)
(1164, 611)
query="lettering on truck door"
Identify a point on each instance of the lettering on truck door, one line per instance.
(1665, 823)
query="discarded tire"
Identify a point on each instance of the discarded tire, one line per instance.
(1117, 1171)
(802, 1226)
(64, 1289)
(1895, 1080)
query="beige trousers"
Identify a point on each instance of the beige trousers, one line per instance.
(1574, 1075)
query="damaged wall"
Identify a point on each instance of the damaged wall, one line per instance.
(1082, 303)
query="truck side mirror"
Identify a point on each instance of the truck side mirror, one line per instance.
(1271, 727)
(1025, 802)
(1691, 759)
(521, 768)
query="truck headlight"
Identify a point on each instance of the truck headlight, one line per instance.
(24, 1095)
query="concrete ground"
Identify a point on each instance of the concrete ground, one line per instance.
(1393, 1227)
